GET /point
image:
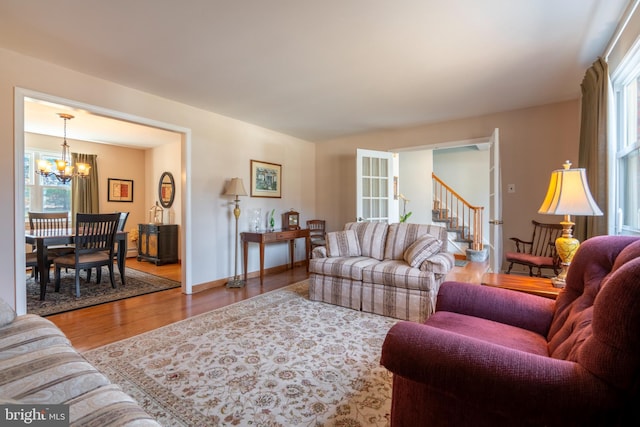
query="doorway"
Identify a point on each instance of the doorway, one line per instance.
(184, 135)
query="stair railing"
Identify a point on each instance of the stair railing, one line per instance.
(463, 218)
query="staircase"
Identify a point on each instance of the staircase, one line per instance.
(462, 220)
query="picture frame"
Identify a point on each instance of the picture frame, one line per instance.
(266, 179)
(119, 190)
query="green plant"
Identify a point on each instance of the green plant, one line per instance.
(272, 220)
(404, 217)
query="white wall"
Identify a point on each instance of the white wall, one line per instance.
(415, 184)
(207, 163)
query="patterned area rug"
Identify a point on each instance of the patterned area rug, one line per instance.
(277, 359)
(138, 283)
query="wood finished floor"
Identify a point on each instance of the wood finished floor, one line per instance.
(93, 327)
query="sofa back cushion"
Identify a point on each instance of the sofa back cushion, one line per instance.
(402, 235)
(342, 243)
(597, 318)
(371, 236)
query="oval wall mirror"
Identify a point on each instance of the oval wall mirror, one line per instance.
(166, 189)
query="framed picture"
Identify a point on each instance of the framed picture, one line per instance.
(266, 179)
(119, 190)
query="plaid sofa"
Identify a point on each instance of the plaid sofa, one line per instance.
(38, 366)
(393, 270)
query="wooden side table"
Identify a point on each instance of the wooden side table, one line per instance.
(532, 285)
(264, 237)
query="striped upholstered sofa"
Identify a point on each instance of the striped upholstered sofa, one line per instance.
(394, 270)
(38, 366)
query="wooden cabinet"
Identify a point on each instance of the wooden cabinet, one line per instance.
(158, 243)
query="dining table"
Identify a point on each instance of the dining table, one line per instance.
(44, 238)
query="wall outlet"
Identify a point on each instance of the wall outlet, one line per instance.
(511, 188)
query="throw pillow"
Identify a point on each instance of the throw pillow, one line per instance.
(343, 243)
(6, 313)
(421, 250)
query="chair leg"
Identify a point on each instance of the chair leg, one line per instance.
(509, 269)
(77, 283)
(88, 275)
(98, 275)
(57, 274)
(111, 276)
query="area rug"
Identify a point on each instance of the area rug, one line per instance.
(277, 359)
(138, 283)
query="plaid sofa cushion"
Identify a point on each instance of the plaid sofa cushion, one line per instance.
(421, 249)
(402, 235)
(342, 243)
(371, 236)
(397, 273)
(346, 267)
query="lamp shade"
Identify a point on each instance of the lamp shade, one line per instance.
(235, 188)
(569, 194)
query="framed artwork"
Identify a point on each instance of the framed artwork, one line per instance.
(266, 179)
(119, 190)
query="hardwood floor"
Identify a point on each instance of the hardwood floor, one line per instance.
(103, 324)
(106, 323)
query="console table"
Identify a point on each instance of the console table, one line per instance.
(265, 237)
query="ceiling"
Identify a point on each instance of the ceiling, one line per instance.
(319, 70)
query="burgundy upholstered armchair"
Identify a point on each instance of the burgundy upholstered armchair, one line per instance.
(495, 357)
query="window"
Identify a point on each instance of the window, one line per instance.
(626, 84)
(43, 194)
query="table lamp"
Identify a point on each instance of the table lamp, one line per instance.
(236, 188)
(568, 194)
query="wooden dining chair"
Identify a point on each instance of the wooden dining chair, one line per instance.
(316, 232)
(94, 247)
(122, 221)
(47, 222)
(51, 222)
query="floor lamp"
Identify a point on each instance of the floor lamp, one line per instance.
(568, 194)
(236, 188)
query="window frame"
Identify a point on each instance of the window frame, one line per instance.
(625, 82)
(35, 185)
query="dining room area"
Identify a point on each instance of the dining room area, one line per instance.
(69, 175)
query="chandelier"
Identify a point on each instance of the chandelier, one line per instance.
(63, 169)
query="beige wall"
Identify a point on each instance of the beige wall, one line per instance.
(220, 148)
(533, 142)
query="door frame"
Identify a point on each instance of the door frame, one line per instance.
(19, 146)
(463, 143)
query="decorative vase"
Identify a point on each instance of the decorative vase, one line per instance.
(256, 218)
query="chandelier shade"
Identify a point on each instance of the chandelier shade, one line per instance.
(63, 168)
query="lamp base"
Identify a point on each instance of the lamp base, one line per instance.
(559, 280)
(236, 282)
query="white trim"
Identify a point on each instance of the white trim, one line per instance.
(622, 25)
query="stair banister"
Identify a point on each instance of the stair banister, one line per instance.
(462, 216)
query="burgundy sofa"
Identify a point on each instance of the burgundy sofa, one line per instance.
(495, 357)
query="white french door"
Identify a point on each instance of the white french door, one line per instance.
(374, 186)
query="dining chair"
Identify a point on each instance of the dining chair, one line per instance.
(122, 221)
(32, 263)
(94, 241)
(316, 232)
(51, 222)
